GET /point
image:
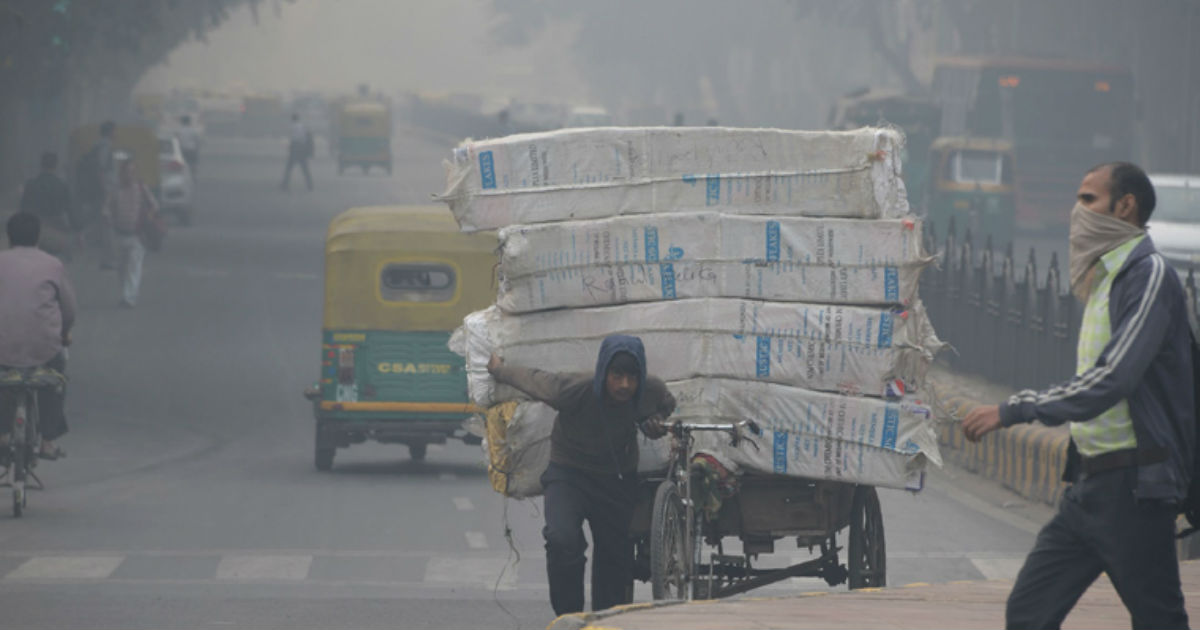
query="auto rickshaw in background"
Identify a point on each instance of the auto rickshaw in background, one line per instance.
(263, 115)
(918, 116)
(971, 181)
(363, 133)
(141, 141)
(149, 107)
(398, 281)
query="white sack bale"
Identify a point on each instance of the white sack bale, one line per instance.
(817, 346)
(813, 434)
(663, 257)
(573, 174)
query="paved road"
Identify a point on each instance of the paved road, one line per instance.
(189, 499)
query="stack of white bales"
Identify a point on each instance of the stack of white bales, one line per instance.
(771, 274)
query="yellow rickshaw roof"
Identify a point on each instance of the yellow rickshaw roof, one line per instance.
(364, 107)
(972, 143)
(411, 228)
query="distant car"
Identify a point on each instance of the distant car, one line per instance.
(588, 117)
(1175, 224)
(176, 185)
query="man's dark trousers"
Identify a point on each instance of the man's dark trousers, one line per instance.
(606, 502)
(297, 156)
(1101, 527)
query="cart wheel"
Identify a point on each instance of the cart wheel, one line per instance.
(867, 551)
(417, 452)
(670, 557)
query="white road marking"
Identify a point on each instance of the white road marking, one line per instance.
(264, 567)
(476, 540)
(998, 568)
(66, 568)
(485, 572)
(463, 504)
(296, 275)
(447, 476)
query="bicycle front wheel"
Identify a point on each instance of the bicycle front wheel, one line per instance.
(670, 550)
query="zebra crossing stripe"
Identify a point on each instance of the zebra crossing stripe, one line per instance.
(66, 568)
(264, 567)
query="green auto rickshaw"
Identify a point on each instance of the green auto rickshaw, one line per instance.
(364, 135)
(971, 181)
(398, 281)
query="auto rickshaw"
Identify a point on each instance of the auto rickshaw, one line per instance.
(364, 135)
(398, 281)
(138, 140)
(971, 180)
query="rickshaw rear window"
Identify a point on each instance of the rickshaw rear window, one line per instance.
(982, 167)
(417, 282)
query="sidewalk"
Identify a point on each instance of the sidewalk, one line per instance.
(953, 605)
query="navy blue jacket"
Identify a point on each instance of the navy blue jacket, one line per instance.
(1148, 362)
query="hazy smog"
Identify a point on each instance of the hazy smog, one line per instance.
(349, 313)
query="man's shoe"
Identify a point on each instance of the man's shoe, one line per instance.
(52, 455)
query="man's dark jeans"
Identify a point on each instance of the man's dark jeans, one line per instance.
(1101, 527)
(606, 502)
(297, 157)
(52, 416)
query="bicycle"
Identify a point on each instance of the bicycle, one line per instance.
(673, 543)
(23, 384)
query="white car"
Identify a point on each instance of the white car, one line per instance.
(175, 186)
(1175, 223)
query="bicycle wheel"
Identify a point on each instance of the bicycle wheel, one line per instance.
(670, 551)
(20, 454)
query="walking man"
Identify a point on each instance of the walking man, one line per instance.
(126, 207)
(1131, 411)
(592, 473)
(37, 311)
(189, 142)
(49, 199)
(300, 149)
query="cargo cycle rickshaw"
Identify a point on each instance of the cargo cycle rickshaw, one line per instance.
(673, 531)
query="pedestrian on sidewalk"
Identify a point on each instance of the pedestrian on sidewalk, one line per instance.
(128, 207)
(592, 473)
(95, 179)
(37, 311)
(1131, 412)
(189, 143)
(48, 198)
(300, 150)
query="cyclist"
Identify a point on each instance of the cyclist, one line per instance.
(37, 310)
(593, 466)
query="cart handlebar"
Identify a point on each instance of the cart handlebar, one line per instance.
(679, 427)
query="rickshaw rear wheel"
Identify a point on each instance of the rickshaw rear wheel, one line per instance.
(670, 557)
(322, 452)
(417, 452)
(866, 549)
(323, 458)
